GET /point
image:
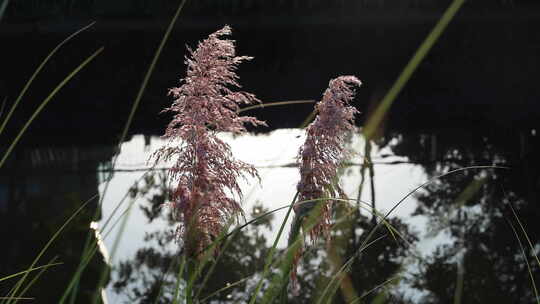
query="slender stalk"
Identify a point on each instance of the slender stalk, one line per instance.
(48, 244)
(134, 107)
(178, 280)
(375, 120)
(272, 251)
(372, 231)
(28, 270)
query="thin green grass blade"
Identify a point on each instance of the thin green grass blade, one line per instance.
(204, 300)
(220, 254)
(524, 254)
(48, 244)
(460, 279)
(90, 248)
(46, 101)
(390, 281)
(138, 98)
(163, 279)
(375, 120)
(176, 297)
(34, 280)
(28, 270)
(371, 233)
(36, 72)
(273, 104)
(272, 252)
(531, 247)
(84, 262)
(116, 243)
(144, 83)
(380, 298)
(279, 282)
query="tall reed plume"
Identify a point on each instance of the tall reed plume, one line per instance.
(321, 155)
(205, 170)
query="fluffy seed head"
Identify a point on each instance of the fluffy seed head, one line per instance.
(204, 169)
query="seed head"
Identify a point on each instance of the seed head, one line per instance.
(204, 169)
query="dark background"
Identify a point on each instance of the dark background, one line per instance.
(474, 100)
(482, 73)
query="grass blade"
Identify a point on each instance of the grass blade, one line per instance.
(525, 234)
(375, 120)
(51, 240)
(372, 232)
(36, 72)
(42, 270)
(524, 254)
(28, 270)
(46, 101)
(273, 104)
(272, 251)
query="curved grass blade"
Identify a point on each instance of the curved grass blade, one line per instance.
(524, 254)
(272, 252)
(136, 103)
(51, 240)
(34, 280)
(28, 270)
(273, 104)
(525, 234)
(46, 101)
(91, 248)
(375, 120)
(36, 72)
(368, 237)
(383, 284)
(225, 288)
(176, 297)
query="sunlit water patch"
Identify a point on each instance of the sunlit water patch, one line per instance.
(274, 155)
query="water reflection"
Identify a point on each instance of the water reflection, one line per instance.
(458, 243)
(485, 262)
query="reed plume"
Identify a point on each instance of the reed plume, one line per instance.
(204, 169)
(319, 159)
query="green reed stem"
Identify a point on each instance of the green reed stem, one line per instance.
(272, 251)
(372, 232)
(375, 120)
(48, 244)
(28, 270)
(524, 254)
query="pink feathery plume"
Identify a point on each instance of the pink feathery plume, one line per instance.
(205, 169)
(321, 155)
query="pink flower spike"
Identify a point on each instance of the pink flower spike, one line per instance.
(320, 157)
(205, 170)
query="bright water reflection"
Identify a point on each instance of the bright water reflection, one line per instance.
(274, 156)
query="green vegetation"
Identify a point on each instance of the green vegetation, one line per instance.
(346, 259)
